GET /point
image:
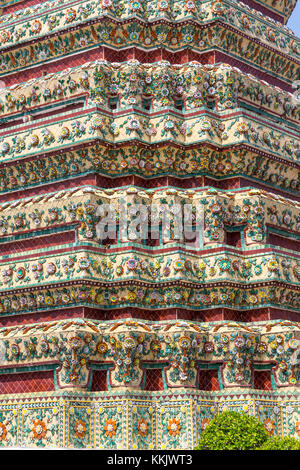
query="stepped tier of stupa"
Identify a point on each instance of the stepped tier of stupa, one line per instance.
(138, 342)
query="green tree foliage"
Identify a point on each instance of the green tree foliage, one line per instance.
(233, 431)
(281, 443)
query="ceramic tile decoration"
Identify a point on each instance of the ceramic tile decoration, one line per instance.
(137, 342)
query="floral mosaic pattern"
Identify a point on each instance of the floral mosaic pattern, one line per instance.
(124, 347)
(254, 210)
(159, 268)
(80, 426)
(8, 427)
(239, 130)
(276, 37)
(220, 87)
(40, 426)
(149, 10)
(153, 423)
(132, 160)
(173, 426)
(147, 296)
(151, 120)
(111, 425)
(142, 427)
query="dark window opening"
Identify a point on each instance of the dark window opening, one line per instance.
(110, 238)
(262, 380)
(153, 239)
(152, 242)
(37, 240)
(6, 122)
(108, 241)
(154, 379)
(146, 103)
(99, 380)
(34, 115)
(208, 379)
(233, 238)
(179, 104)
(27, 382)
(190, 236)
(57, 110)
(283, 242)
(113, 102)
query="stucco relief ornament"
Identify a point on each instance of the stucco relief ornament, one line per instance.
(296, 93)
(127, 372)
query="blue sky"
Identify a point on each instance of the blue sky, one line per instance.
(294, 21)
